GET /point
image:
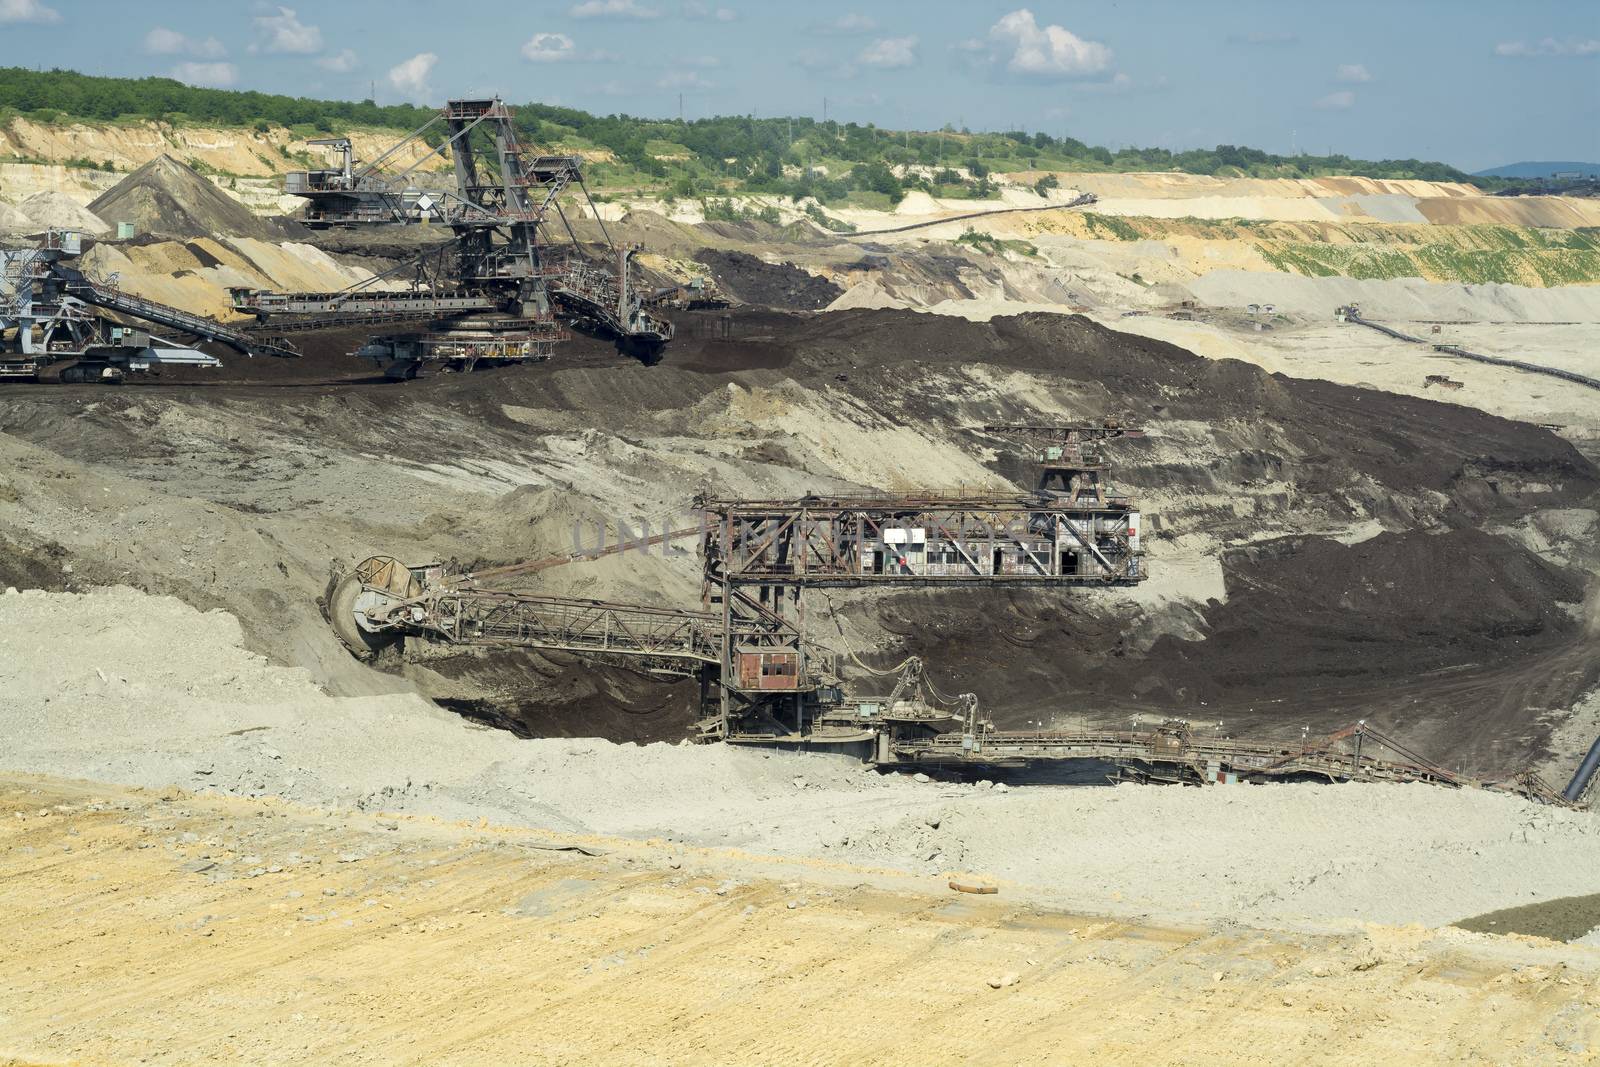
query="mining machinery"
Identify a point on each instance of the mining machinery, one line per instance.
(500, 290)
(761, 556)
(1071, 461)
(52, 313)
(764, 683)
(699, 293)
(764, 679)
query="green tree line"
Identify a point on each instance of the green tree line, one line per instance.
(790, 156)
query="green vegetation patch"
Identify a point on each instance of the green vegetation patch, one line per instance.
(1111, 227)
(1476, 255)
(827, 221)
(994, 246)
(728, 211)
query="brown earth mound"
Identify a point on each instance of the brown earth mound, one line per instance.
(1463, 628)
(1562, 919)
(1442, 632)
(1445, 639)
(553, 694)
(169, 197)
(775, 285)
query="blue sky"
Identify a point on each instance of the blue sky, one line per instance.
(1470, 82)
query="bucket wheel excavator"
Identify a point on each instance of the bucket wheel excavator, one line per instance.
(54, 314)
(913, 726)
(501, 290)
(787, 686)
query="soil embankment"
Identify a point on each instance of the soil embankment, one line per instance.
(775, 285)
(168, 197)
(171, 699)
(1319, 553)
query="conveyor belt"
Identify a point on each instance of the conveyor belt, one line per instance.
(104, 296)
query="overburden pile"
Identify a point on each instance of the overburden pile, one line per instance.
(166, 196)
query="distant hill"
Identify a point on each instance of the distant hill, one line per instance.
(1540, 170)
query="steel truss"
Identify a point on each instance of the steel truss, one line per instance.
(1071, 462)
(500, 266)
(482, 617)
(760, 555)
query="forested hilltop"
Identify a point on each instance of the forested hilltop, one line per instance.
(800, 156)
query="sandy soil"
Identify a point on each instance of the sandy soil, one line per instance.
(169, 698)
(232, 151)
(169, 928)
(1353, 355)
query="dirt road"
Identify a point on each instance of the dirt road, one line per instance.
(173, 928)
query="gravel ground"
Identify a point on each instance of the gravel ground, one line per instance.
(119, 686)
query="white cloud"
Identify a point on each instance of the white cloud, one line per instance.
(549, 48)
(612, 9)
(27, 11)
(284, 32)
(697, 9)
(215, 75)
(1352, 74)
(889, 53)
(1045, 52)
(559, 48)
(684, 79)
(411, 76)
(164, 42)
(848, 25)
(343, 63)
(1549, 46)
(1340, 101)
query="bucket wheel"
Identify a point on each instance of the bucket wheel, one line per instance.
(375, 581)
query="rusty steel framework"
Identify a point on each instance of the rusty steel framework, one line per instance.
(1071, 463)
(763, 683)
(501, 291)
(923, 539)
(759, 557)
(1176, 752)
(522, 620)
(897, 730)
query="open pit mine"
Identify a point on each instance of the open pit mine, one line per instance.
(1055, 628)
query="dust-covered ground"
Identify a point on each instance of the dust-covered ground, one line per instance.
(166, 927)
(169, 698)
